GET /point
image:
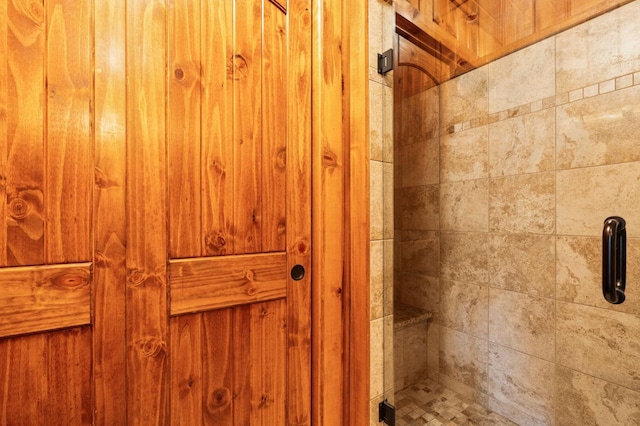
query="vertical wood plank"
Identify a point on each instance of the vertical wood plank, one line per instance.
(274, 126)
(69, 392)
(186, 370)
(4, 135)
(23, 380)
(243, 411)
(183, 129)
(146, 295)
(109, 276)
(217, 128)
(328, 205)
(298, 204)
(356, 133)
(268, 372)
(25, 158)
(68, 148)
(246, 66)
(217, 365)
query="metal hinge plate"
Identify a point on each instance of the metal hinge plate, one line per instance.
(385, 62)
(387, 413)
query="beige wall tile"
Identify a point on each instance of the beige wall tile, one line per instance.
(522, 204)
(521, 387)
(464, 307)
(464, 155)
(375, 121)
(464, 206)
(522, 322)
(586, 197)
(419, 118)
(600, 49)
(375, 31)
(376, 357)
(374, 414)
(376, 201)
(398, 362)
(464, 98)
(524, 144)
(523, 262)
(388, 191)
(588, 401)
(433, 350)
(419, 163)
(522, 77)
(418, 207)
(376, 273)
(387, 123)
(421, 256)
(419, 290)
(388, 272)
(463, 257)
(600, 130)
(389, 383)
(599, 342)
(579, 273)
(463, 358)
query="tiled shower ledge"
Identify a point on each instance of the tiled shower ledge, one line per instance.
(405, 315)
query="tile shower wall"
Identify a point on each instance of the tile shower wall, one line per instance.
(381, 30)
(503, 242)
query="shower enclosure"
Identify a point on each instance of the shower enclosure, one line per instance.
(487, 209)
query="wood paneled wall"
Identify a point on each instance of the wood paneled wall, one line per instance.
(140, 143)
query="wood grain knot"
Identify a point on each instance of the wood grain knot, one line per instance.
(266, 401)
(301, 247)
(252, 291)
(282, 227)
(100, 260)
(329, 159)
(19, 208)
(152, 347)
(250, 275)
(103, 181)
(239, 68)
(136, 277)
(219, 399)
(339, 292)
(71, 280)
(281, 158)
(215, 242)
(178, 74)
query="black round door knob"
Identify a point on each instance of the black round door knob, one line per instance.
(297, 272)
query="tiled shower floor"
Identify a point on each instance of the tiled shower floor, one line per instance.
(428, 403)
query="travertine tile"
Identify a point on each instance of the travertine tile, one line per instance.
(463, 358)
(585, 400)
(387, 123)
(376, 200)
(521, 387)
(464, 98)
(418, 208)
(464, 155)
(522, 322)
(598, 50)
(389, 355)
(463, 257)
(579, 273)
(464, 206)
(599, 342)
(599, 131)
(523, 263)
(375, 31)
(375, 121)
(522, 204)
(421, 256)
(388, 191)
(464, 307)
(522, 77)
(433, 349)
(419, 290)
(388, 272)
(419, 163)
(524, 144)
(376, 357)
(586, 197)
(374, 413)
(419, 117)
(376, 264)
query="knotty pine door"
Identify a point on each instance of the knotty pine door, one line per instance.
(155, 166)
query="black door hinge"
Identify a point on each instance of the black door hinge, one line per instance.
(385, 62)
(387, 413)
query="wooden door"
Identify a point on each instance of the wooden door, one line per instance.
(155, 167)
